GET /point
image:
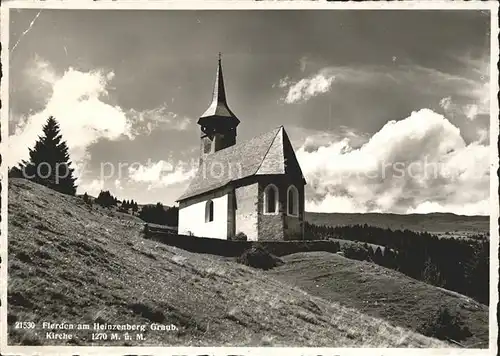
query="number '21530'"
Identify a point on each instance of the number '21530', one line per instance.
(24, 325)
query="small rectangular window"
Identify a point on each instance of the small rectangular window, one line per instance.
(209, 211)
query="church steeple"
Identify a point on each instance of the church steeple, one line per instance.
(218, 123)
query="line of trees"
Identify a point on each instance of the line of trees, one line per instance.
(129, 205)
(461, 265)
(155, 214)
(106, 199)
(158, 214)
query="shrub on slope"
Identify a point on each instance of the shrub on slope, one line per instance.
(446, 325)
(258, 257)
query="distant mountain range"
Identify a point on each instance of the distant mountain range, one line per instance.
(438, 223)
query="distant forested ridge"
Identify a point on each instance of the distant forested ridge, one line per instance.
(457, 264)
(434, 223)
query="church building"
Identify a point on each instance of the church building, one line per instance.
(254, 187)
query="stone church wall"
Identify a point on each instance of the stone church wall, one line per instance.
(293, 228)
(271, 226)
(246, 210)
(280, 227)
(294, 225)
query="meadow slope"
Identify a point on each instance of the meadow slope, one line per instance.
(69, 262)
(381, 292)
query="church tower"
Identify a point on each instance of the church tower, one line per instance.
(218, 123)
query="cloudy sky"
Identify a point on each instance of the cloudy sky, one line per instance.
(370, 99)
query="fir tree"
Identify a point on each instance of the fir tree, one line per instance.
(477, 271)
(15, 172)
(124, 205)
(49, 162)
(106, 199)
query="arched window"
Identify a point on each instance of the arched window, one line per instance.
(271, 199)
(209, 211)
(292, 201)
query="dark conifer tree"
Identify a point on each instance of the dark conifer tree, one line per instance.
(49, 162)
(106, 199)
(101, 199)
(15, 172)
(477, 271)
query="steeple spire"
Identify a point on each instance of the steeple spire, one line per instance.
(218, 123)
(218, 107)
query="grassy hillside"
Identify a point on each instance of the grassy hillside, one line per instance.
(69, 262)
(438, 223)
(380, 292)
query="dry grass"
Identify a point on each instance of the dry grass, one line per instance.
(68, 262)
(380, 292)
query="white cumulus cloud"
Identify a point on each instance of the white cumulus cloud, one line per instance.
(309, 87)
(92, 188)
(144, 122)
(418, 164)
(161, 173)
(76, 103)
(473, 88)
(445, 103)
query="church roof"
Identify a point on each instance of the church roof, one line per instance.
(267, 153)
(218, 107)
